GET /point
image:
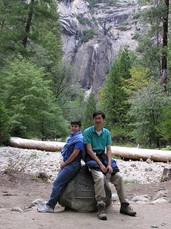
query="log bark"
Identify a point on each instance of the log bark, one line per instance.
(123, 152)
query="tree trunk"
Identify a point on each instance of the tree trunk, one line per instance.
(165, 46)
(28, 24)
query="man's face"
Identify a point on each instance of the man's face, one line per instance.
(74, 128)
(98, 120)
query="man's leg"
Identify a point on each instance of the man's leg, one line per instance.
(100, 194)
(117, 180)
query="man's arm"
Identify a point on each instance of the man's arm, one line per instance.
(109, 158)
(71, 158)
(94, 157)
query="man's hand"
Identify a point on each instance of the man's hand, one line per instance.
(62, 165)
(103, 168)
(109, 168)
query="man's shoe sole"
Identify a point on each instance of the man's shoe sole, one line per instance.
(125, 213)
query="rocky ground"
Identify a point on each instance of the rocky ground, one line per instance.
(20, 186)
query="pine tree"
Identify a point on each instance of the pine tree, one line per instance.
(90, 108)
(114, 99)
(24, 22)
(154, 39)
(32, 108)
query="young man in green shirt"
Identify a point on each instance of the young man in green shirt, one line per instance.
(98, 142)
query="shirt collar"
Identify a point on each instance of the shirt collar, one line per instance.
(94, 130)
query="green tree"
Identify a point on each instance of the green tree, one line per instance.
(90, 108)
(145, 113)
(154, 39)
(31, 105)
(138, 80)
(165, 125)
(24, 22)
(72, 106)
(4, 124)
(113, 98)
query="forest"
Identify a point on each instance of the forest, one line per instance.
(37, 99)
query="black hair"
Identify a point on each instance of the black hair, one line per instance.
(98, 113)
(76, 122)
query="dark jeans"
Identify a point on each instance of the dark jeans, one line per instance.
(63, 177)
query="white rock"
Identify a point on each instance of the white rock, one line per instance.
(143, 198)
(17, 209)
(159, 201)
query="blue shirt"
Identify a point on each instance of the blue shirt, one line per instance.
(70, 150)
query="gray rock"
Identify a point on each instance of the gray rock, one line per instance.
(17, 209)
(169, 201)
(79, 193)
(143, 198)
(149, 161)
(160, 194)
(38, 203)
(3, 210)
(159, 201)
(148, 169)
(166, 174)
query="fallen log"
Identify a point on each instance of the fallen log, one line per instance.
(23, 143)
(140, 153)
(123, 152)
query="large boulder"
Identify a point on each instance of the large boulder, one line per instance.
(79, 193)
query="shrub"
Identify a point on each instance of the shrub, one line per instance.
(88, 34)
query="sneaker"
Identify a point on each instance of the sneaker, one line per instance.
(101, 214)
(127, 210)
(45, 209)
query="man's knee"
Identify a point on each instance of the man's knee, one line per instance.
(99, 178)
(117, 178)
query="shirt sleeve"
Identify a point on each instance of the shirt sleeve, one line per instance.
(109, 140)
(78, 145)
(86, 137)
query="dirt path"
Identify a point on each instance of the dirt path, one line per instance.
(18, 189)
(148, 217)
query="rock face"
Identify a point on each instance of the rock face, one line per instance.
(92, 38)
(79, 193)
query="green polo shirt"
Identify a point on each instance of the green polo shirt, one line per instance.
(98, 142)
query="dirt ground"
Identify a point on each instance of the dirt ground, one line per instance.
(19, 189)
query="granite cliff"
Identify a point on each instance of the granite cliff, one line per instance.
(92, 38)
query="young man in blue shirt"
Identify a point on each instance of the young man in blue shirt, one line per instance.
(70, 165)
(99, 160)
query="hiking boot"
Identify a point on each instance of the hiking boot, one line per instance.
(127, 210)
(45, 209)
(101, 214)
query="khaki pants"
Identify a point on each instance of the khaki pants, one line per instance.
(99, 180)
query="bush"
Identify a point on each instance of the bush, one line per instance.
(123, 27)
(88, 34)
(139, 49)
(83, 21)
(136, 36)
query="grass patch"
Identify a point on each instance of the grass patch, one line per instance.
(134, 181)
